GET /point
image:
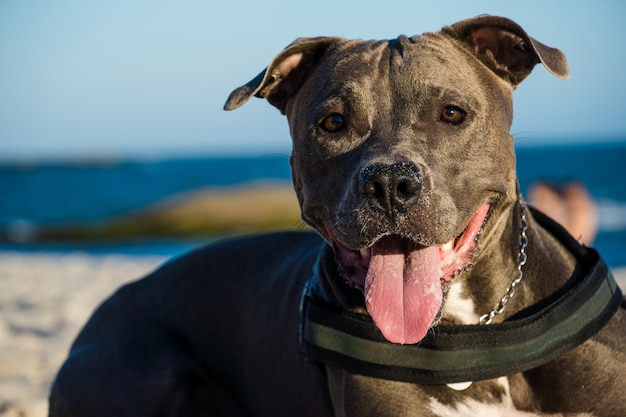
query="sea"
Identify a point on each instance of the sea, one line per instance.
(39, 194)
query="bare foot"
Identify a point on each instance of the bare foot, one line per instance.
(569, 204)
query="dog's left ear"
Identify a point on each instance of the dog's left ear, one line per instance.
(507, 49)
(285, 74)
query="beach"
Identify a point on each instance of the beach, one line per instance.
(45, 298)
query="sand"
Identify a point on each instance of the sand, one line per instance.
(44, 301)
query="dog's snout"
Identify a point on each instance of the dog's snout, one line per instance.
(395, 187)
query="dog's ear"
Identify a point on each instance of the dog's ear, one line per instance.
(285, 74)
(507, 49)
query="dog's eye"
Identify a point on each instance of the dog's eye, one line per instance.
(333, 123)
(453, 115)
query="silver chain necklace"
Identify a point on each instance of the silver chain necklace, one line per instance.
(521, 261)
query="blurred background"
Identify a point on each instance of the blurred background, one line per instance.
(115, 152)
(111, 120)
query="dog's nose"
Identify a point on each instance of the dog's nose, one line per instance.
(395, 187)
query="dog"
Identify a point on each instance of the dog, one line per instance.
(428, 287)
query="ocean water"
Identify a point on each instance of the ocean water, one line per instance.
(34, 195)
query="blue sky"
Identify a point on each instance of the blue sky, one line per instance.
(148, 78)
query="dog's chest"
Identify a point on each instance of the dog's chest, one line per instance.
(458, 306)
(473, 407)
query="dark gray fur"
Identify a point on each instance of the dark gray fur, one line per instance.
(216, 331)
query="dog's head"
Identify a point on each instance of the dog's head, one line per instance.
(401, 153)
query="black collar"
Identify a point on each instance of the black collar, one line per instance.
(458, 353)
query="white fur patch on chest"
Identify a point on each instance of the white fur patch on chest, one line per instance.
(473, 408)
(458, 307)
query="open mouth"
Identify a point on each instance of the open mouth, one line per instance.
(403, 282)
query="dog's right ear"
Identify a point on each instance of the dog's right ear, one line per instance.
(285, 74)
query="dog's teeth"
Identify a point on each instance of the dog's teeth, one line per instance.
(448, 246)
(365, 253)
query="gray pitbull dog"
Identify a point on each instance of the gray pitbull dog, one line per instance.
(404, 166)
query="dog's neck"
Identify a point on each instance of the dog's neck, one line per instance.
(496, 267)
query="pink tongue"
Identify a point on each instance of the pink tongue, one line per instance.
(402, 289)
